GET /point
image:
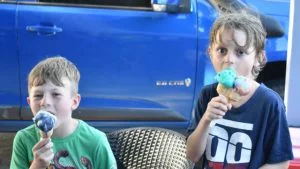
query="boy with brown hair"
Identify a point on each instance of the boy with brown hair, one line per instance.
(249, 132)
(53, 87)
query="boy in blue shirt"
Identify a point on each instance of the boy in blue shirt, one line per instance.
(251, 132)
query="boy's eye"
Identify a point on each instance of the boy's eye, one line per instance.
(38, 95)
(222, 51)
(56, 94)
(240, 52)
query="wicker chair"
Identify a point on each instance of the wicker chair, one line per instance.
(149, 148)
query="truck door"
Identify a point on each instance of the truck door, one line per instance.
(9, 64)
(137, 65)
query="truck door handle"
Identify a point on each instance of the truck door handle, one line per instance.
(44, 30)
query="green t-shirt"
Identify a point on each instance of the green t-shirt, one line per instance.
(86, 147)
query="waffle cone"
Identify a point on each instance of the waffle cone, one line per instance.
(229, 93)
(46, 135)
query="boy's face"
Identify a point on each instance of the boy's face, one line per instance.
(225, 53)
(57, 100)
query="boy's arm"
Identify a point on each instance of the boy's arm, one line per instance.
(18, 159)
(282, 165)
(196, 142)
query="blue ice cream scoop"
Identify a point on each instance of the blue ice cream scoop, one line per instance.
(227, 77)
(44, 120)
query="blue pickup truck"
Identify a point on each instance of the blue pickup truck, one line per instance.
(142, 62)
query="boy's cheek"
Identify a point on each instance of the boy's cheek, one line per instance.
(33, 106)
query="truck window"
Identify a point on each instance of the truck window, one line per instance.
(8, 1)
(182, 6)
(113, 3)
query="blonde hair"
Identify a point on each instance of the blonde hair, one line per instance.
(54, 69)
(253, 29)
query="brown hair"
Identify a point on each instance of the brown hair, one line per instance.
(253, 29)
(54, 69)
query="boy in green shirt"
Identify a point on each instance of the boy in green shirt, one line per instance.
(53, 87)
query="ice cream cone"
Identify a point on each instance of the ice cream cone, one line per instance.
(229, 93)
(230, 85)
(46, 134)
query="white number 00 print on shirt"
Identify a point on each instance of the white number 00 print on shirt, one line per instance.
(226, 142)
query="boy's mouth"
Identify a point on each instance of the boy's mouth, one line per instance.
(48, 111)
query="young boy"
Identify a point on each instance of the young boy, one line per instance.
(53, 87)
(248, 133)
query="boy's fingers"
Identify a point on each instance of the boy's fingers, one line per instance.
(223, 99)
(222, 107)
(48, 146)
(216, 112)
(221, 113)
(216, 116)
(220, 99)
(45, 151)
(219, 103)
(229, 106)
(41, 143)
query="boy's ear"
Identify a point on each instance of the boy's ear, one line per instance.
(28, 100)
(76, 101)
(256, 62)
(209, 51)
(259, 58)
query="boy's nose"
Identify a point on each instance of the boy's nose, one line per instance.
(45, 101)
(229, 58)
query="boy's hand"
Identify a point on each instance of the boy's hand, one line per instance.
(42, 153)
(217, 108)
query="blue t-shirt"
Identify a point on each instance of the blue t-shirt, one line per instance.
(250, 136)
